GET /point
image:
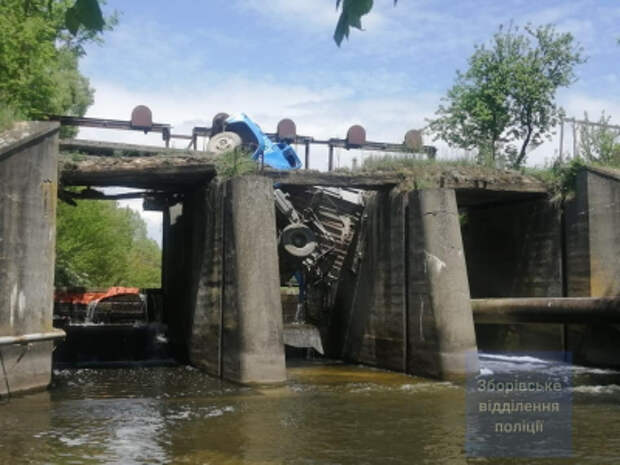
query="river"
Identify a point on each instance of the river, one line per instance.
(327, 413)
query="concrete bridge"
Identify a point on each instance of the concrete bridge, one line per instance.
(424, 246)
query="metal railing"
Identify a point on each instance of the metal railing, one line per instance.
(141, 120)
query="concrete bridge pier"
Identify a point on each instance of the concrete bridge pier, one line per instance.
(235, 305)
(441, 335)
(407, 307)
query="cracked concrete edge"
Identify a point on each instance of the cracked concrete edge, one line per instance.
(23, 133)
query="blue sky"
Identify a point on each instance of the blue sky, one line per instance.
(189, 60)
(272, 59)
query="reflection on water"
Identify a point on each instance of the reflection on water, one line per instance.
(325, 414)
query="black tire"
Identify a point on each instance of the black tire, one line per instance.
(298, 240)
(223, 142)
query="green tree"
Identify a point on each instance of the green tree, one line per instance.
(73, 93)
(100, 244)
(476, 110)
(40, 43)
(505, 102)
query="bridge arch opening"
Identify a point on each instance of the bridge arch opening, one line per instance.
(107, 278)
(514, 249)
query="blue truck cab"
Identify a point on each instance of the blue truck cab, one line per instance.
(241, 131)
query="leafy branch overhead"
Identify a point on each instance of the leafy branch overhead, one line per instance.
(351, 16)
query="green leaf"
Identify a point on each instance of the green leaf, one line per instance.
(86, 13)
(72, 21)
(350, 16)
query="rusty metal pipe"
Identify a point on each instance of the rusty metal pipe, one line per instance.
(33, 337)
(583, 310)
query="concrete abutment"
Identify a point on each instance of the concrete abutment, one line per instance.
(28, 192)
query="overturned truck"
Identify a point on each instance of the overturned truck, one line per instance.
(315, 229)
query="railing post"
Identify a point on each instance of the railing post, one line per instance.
(330, 165)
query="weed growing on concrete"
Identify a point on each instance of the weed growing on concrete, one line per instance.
(560, 177)
(234, 163)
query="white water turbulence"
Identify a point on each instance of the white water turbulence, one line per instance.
(534, 405)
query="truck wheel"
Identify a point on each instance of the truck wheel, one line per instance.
(223, 142)
(298, 240)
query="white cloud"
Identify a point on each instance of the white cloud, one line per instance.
(308, 15)
(553, 14)
(323, 112)
(576, 103)
(202, 102)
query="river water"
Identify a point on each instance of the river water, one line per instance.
(327, 413)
